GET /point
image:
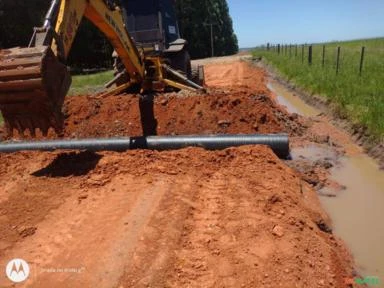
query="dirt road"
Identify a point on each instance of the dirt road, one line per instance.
(188, 218)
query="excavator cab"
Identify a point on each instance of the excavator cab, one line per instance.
(153, 26)
(152, 23)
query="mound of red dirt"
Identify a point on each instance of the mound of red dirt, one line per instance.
(238, 102)
(219, 111)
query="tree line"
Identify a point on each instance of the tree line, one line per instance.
(18, 17)
(195, 18)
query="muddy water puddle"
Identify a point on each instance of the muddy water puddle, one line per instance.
(357, 212)
(313, 153)
(292, 102)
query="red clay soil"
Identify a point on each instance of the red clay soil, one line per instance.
(241, 107)
(217, 112)
(188, 218)
(230, 110)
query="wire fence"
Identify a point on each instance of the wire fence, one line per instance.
(350, 73)
(320, 55)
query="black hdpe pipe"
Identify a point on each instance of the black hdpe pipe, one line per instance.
(279, 143)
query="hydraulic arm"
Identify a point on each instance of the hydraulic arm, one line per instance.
(35, 80)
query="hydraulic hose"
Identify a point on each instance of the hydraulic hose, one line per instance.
(279, 143)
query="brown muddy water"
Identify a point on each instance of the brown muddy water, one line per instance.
(357, 212)
(293, 103)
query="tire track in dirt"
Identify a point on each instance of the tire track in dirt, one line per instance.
(193, 267)
(228, 236)
(161, 237)
(92, 236)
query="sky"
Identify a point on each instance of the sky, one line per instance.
(258, 22)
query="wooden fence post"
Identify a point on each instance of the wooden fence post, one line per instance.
(323, 62)
(278, 49)
(310, 55)
(362, 60)
(338, 60)
(302, 53)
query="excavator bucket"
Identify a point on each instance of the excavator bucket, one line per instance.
(33, 84)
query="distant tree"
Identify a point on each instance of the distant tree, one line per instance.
(90, 49)
(18, 17)
(194, 19)
(226, 41)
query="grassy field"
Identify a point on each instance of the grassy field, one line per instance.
(89, 84)
(359, 98)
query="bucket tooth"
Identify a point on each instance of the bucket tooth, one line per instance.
(33, 85)
(28, 123)
(44, 125)
(32, 128)
(19, 127)
(8, 127)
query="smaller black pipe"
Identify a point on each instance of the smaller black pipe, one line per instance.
(279, 143)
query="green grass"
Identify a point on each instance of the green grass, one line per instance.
(89, 84)
(359, 98)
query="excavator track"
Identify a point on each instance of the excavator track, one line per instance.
(33, 84)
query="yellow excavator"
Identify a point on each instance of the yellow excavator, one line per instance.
(150, 56)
